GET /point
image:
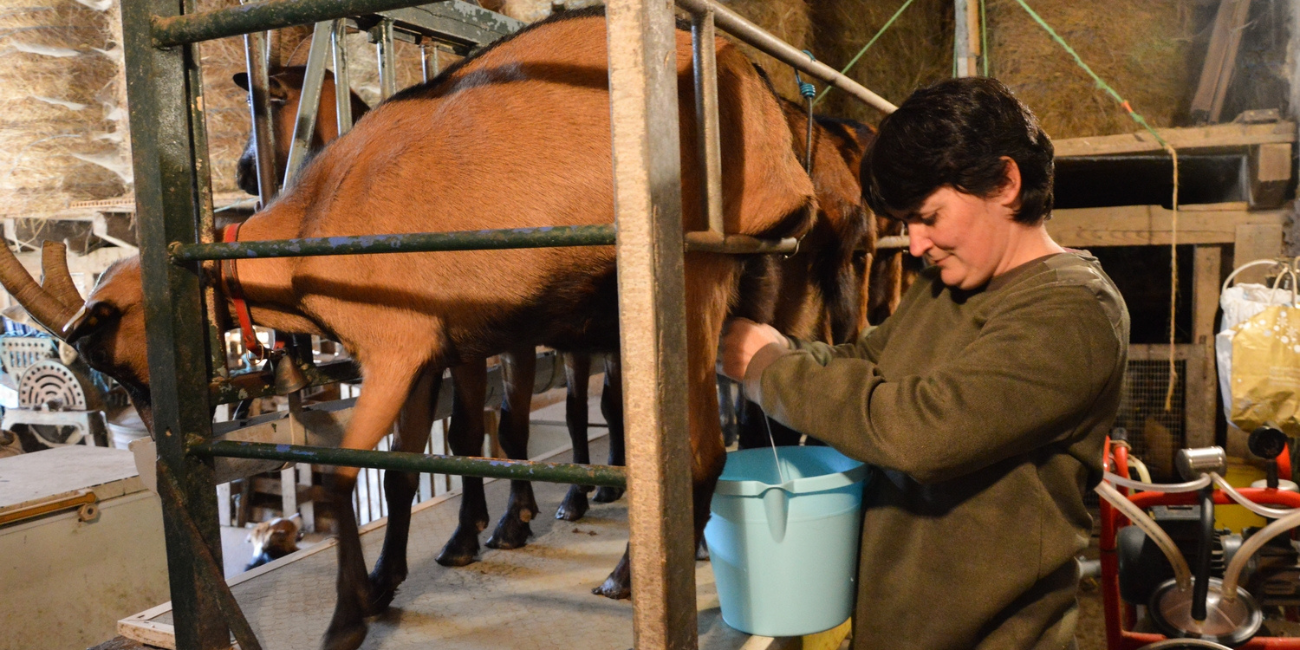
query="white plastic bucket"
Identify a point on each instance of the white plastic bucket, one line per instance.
(785, 552)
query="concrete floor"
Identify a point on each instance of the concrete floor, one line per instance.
(537, 597)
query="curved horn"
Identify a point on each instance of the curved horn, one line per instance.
(44, 307)
(58, 280)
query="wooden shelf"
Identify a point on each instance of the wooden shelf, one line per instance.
(1147, 225)
(1218, 136)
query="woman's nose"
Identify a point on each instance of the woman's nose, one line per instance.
(918, 240)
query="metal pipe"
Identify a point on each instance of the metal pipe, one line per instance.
(710, 242)
(342, 86)
(466, 240)
(260, 16)
(754, 35)
(517, 470)
(260, 114)
(387, 65)
(304, 129)
(420, 242)
(705, 63)
(893, 241)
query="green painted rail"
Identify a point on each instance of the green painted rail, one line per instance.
(519, 470)
(420, 242)
(273, 14)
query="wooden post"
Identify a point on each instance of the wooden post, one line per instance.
(967, 34)
(652, 315)
(1201, 387)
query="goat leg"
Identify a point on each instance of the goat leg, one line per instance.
(413, 428)
(465, 437)
(518, 373)
(347, 628)
(577, 368)
(611, 407)
(708, 278)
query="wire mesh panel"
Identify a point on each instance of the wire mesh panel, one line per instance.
(1154, 432)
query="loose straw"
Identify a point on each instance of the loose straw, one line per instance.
(1173, 232)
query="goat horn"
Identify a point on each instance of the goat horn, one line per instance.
(38, 302)
(58, 280)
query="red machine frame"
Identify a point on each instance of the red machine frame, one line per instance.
(1120, 616)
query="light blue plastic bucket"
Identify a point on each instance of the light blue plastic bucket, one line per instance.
(785, 555)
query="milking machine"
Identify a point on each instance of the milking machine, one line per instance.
(1153, 597)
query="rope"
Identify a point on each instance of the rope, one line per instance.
(809, 92)
(866, 47)
(1173, 234)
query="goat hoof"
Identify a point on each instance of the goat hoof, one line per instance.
(615, 587)
(512, 532)
(574, 505)
(607, 495)
(702, 551)
(383, 588)
(344, 637)
(460, 550)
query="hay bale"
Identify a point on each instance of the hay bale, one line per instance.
(788, 20)
(917, 49)
(1140, 47)
(63, 136)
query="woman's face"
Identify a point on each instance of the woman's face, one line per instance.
(968, 237)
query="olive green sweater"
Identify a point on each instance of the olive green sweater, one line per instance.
(985, 412)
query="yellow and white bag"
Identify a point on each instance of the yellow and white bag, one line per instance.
(1258, 352)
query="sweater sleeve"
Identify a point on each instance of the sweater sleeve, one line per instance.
(1036, 365)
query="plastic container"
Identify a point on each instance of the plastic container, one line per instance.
(785, 554)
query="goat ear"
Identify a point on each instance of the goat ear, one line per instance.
(276, 90)
(241, 80)
(92, 316)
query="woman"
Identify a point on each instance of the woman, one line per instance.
(984, 400)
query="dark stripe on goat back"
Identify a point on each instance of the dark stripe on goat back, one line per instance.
(430, 88)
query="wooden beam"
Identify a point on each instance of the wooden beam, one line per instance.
(1182, 139)
(1220, 60)
(1255, 242)
(1269, 166)
(1206, 272)
(1147, 225)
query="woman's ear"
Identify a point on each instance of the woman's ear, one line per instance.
(1009, 193)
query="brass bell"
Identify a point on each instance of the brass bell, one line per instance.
(289, 378)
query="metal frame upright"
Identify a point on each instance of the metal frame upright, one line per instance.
(174, 207)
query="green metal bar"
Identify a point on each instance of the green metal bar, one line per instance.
(518, 470)
(421, 242)
(162, 87)
(169, 31)
(209, 572)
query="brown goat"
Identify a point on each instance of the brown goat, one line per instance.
(467, 432)
(531, 113)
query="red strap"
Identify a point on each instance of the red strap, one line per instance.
(235, 292)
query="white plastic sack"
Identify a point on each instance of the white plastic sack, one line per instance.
(1241, 303)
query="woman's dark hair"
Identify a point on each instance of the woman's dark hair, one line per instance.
(956, 133)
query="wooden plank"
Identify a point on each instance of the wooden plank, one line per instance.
(1220, 60)
(1183, 139)
(1160, 351)
(1198, 415)
(1206, 272)
(1255, 242)
(1269, 166)
(1147, 225)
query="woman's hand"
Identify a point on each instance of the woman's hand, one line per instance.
(741, 340)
